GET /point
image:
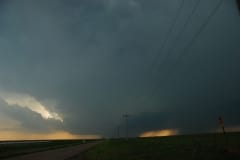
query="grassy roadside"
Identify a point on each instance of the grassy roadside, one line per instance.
(208, 147)
(11, 150)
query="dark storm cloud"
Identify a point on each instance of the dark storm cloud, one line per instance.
(94, 57)
(200, 114)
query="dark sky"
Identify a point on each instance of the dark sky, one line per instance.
(79, 65)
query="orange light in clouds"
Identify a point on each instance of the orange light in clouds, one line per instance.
(12, 135)
(160, 133)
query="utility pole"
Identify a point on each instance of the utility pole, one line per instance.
(221, 122)
(126, 116)
(118, 130)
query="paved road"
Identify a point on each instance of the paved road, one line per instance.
(69, 153)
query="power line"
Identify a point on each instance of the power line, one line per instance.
(192, 41)
(179, 36)
(168, 34)
(166, 39)
(187, 22)
(202, 27)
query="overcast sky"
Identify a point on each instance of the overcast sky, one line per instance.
(77, 66)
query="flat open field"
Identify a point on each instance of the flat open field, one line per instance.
(67, 153)
(17, 148)
(189, 147)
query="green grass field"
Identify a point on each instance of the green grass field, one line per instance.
(202, 147)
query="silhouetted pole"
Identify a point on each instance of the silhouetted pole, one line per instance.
(118, 134)
(221, 122)
(126, 116)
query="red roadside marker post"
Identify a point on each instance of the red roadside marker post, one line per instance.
(221, 122)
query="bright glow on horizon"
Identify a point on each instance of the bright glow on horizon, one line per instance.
(27, 101)
(160, 133)
(19, 135)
